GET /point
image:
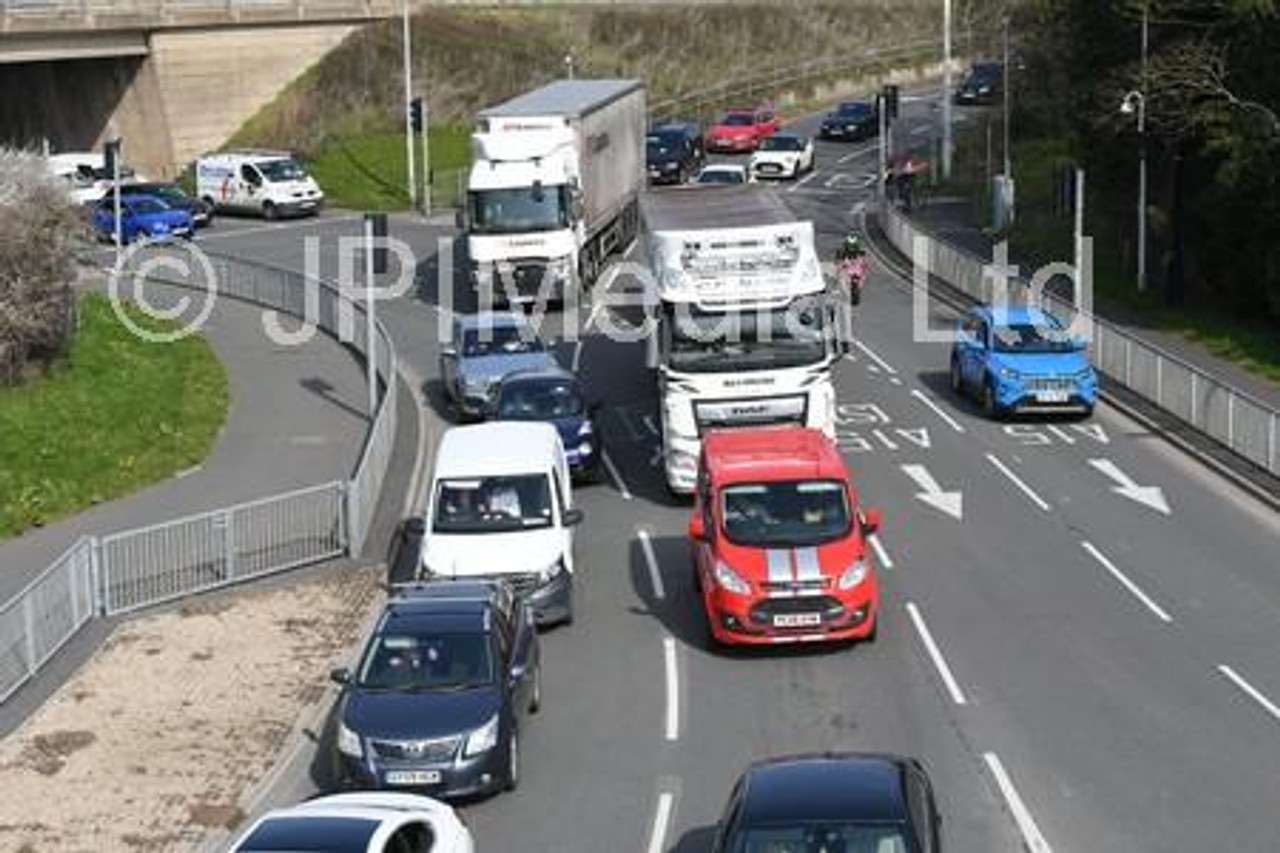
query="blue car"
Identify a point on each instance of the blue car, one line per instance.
(1021, 360)
(142, 216)
(555, 397)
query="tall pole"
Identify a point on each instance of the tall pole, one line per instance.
(1079, 236)
(115, 193)
(371, 351)
(946, 90)
(426, 162)
(1008, 157)
(1142, 161)
(408, 99)
(884, 150)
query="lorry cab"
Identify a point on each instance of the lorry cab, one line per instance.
(779, 541)
(501, 506)
(270, 183)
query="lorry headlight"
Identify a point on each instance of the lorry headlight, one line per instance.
(585, 448)
(349, 742)
(731, 580)
(681, 461)
(853, 576)
(482, 739)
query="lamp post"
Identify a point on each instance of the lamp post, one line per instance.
(1136, 103)
(408, 109)
(946, 90)
(1008, 155)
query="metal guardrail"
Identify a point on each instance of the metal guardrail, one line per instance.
(131, 569)
(1243, 424)
(37, 15)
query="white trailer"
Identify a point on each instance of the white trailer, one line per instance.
(746, 331)
(554, 187)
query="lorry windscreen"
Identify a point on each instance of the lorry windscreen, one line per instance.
(518, 210)
(725, 342)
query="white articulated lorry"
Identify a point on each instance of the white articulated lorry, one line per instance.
(746, 332)
(553, 189)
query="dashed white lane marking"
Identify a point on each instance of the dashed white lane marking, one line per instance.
(886, 562)
(655, 575)
(661, 821)
(1249, 690)
(1021, 814)
(895, 380)
(1133, 588)
(618, 482)
(939, 662)
(673, 689)
(937, 410)
(806, 179)
(1017, 481)
(884, 365)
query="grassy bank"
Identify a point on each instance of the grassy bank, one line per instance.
(1041, 236)
(370, 172)
(117, 415)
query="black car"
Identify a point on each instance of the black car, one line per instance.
(835, 802)
(674, 152)
(441, 691)
(556, 397)
(983, 85)
(852, 120)
(173, 196)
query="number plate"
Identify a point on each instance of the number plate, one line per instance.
(797, 620)
(413, 777)
(1052, 396)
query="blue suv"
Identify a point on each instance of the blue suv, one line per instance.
(1021, 360)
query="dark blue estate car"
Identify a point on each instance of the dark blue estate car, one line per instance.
(142, 216)
(441, 692)
(852, 120)
(851, 802)
(554, 396)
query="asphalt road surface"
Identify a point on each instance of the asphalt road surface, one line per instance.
(1081, 664)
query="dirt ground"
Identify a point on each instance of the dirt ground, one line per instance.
(159, 737)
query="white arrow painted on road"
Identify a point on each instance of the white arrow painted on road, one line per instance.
(952, 503)
(1150, 496)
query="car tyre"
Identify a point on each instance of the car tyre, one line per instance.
(875, 630)
(513, 761)
(957, 380)
(989, 406)
(535, 701)
(269, 212)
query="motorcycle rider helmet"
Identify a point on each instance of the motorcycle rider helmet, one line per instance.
(852, 247)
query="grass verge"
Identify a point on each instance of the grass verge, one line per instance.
(370, 172)
(118, 414)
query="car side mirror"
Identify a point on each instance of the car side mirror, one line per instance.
(697, 528)
(872, 519)
(341, 675)
(573, 517)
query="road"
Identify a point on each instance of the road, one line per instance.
(1082, 662)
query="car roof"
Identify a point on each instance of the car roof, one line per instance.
(1016, 315)
(785, 136)
(833, 787)
(491, 320)
(685, 127)
(771, 454)
(497, 448)
(377, 807)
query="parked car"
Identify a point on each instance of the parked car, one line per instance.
(835, 802)
(851, 120)
(783, 155)
(141, 216)
(779, 542)
(501, 505)
(723, 173)
(983, 84)
(441, 692)
(742, 129)
(555, 397)
(1019, 360)
(674, 152)
(486, 347)
(174, 196)
(367, 822)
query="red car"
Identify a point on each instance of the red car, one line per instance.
(779, 542)
(742, 130)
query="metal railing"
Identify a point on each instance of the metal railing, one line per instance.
(1243, 424)
(40, 15)
(131, 569)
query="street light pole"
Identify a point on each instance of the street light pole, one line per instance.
(946, 90)
(1008, 154)
(408, 101)
(1142, 160)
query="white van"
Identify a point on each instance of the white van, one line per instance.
(85, 174)
(271, 183)
(501, 506)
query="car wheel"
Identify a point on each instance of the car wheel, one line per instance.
(875, 630)
(269, 212)
(957, 381)
(513, 761)
(535, 702)
(989, 406)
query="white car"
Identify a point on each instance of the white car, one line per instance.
(722, 173)
(782, 155)
(360, 823)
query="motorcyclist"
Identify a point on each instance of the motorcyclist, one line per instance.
(851, 261)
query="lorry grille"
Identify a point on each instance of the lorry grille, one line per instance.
(523, 278)
(751, 412)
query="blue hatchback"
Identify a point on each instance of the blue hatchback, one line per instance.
(554, 396)
(1020, 360)
(142, 216)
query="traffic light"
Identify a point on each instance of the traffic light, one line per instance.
(111, 156)
(415, 115)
